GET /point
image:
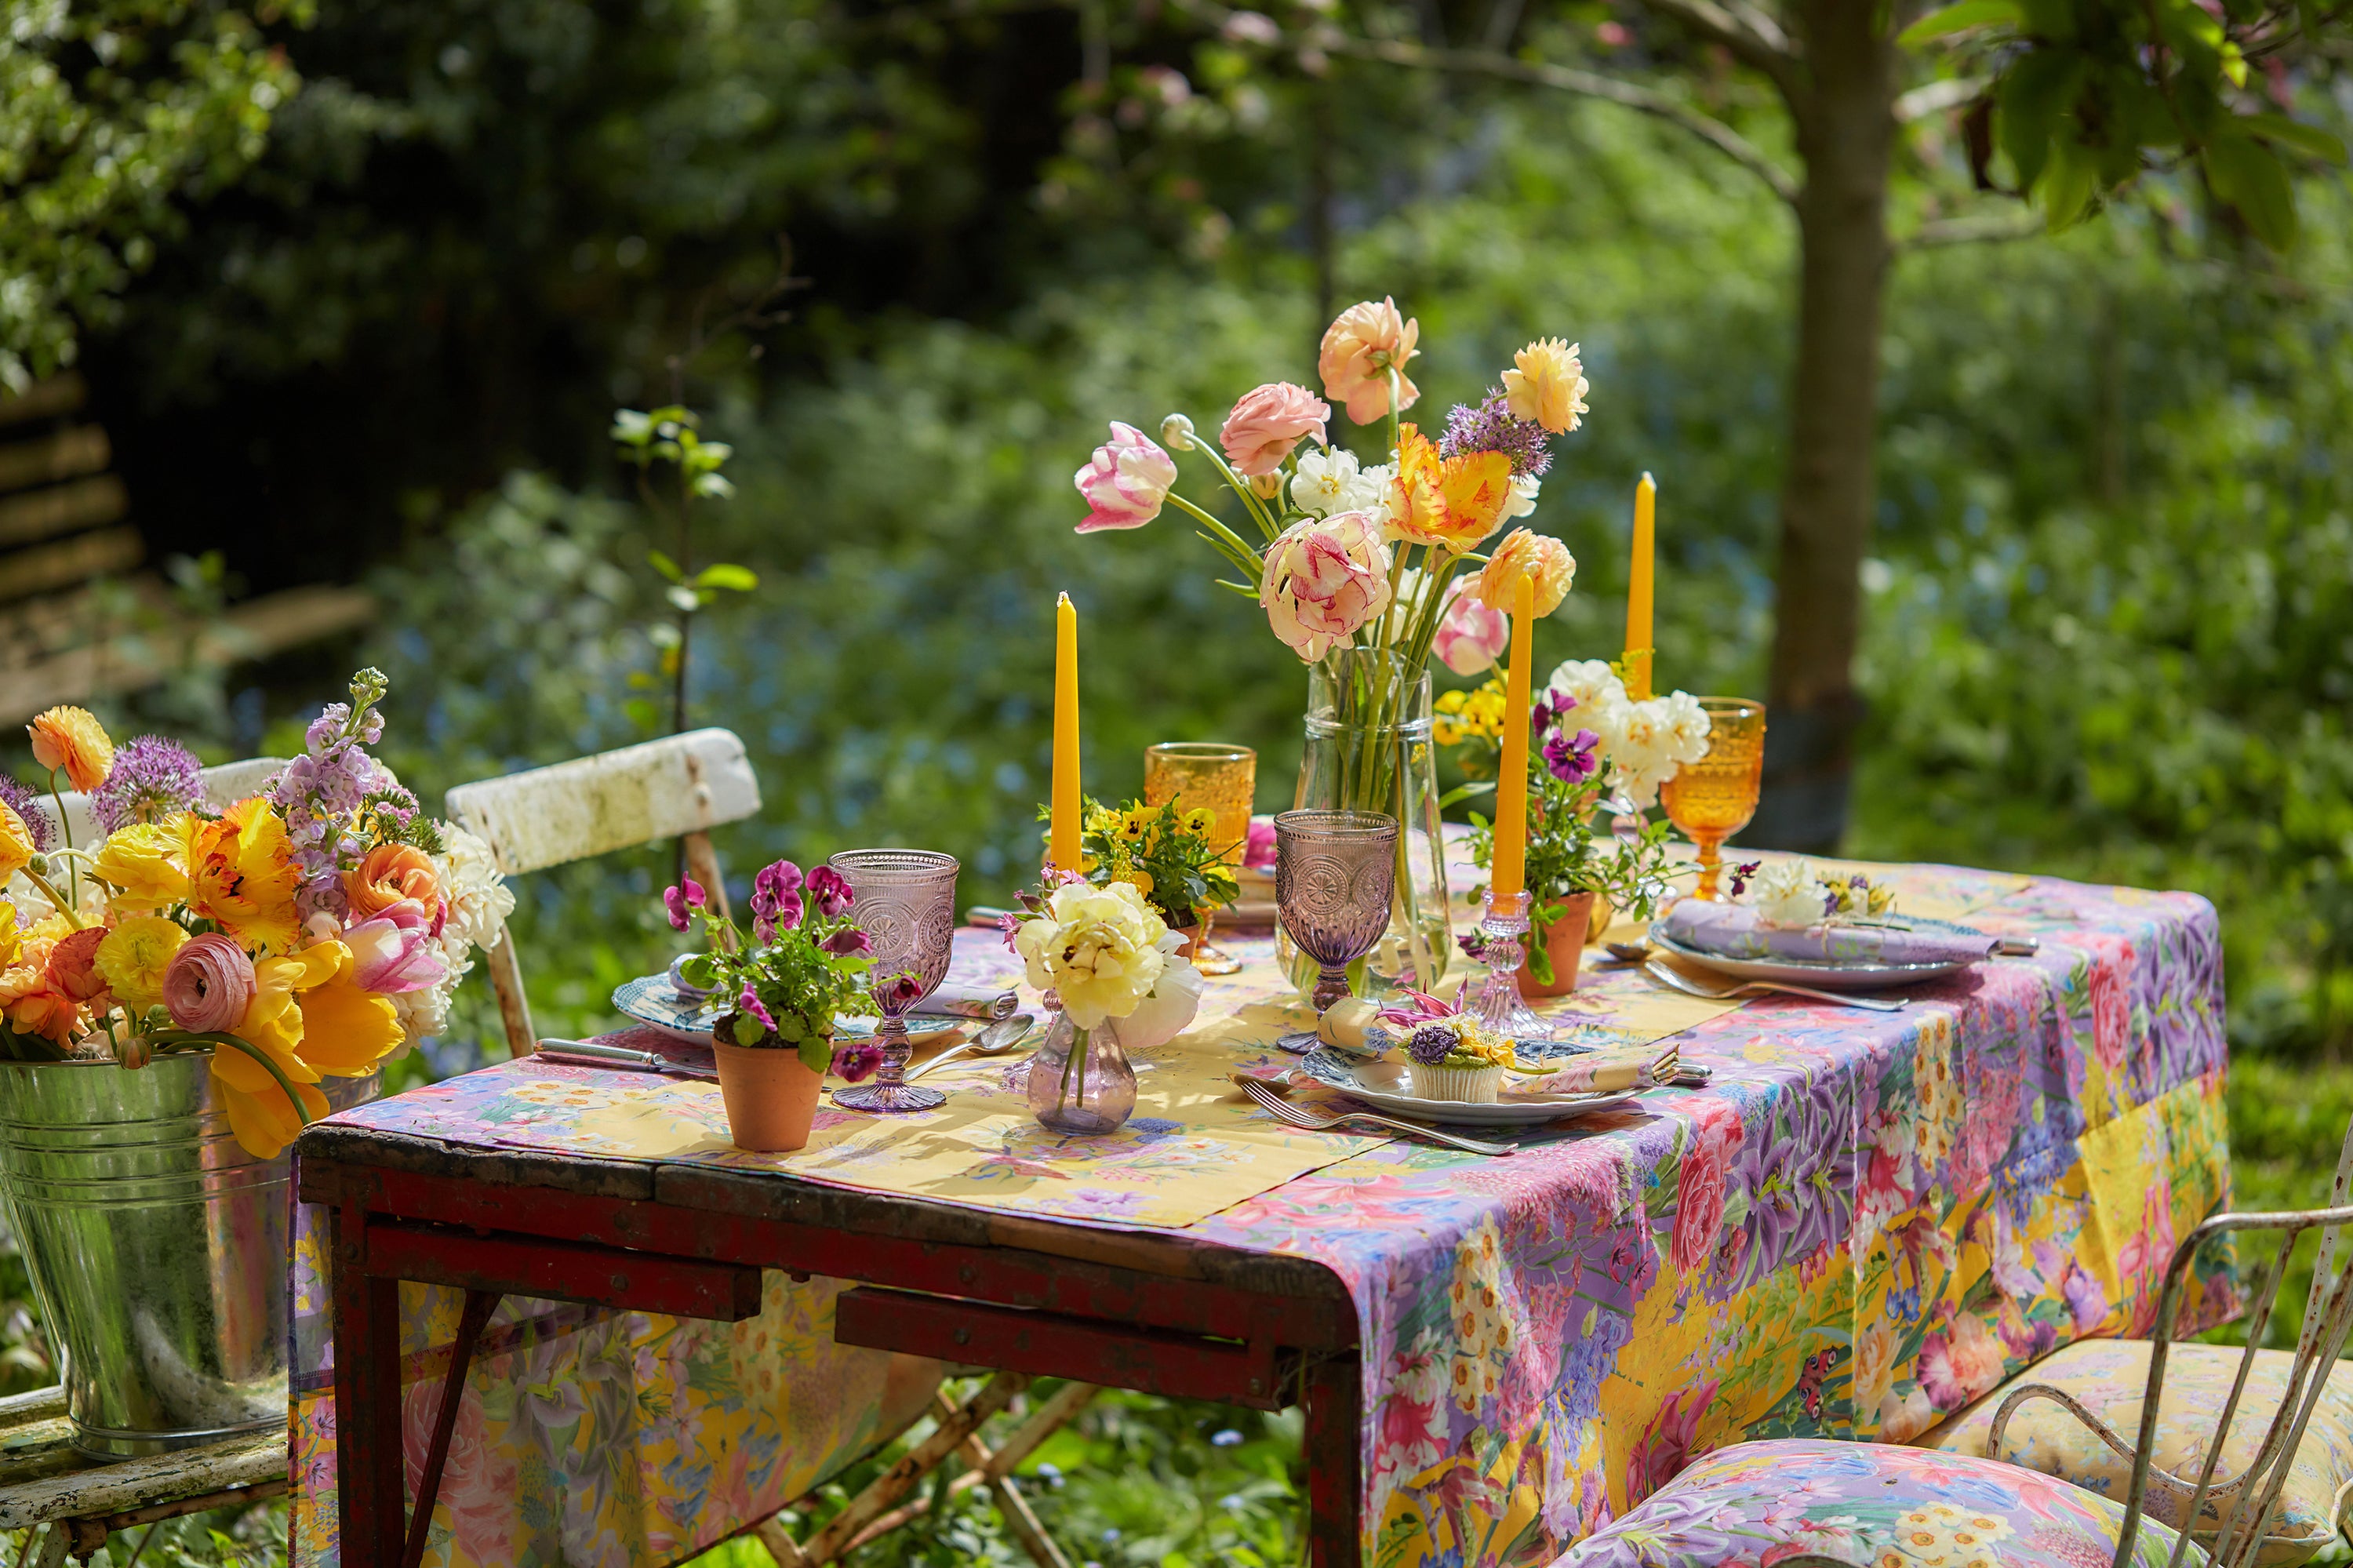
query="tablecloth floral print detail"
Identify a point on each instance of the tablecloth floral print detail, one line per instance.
(1863, 1224)
(598, 1439)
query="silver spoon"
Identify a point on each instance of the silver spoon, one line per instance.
(1675, 979)
(1628, 952)
(994, 1041)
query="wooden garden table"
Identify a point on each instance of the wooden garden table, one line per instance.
(1864, 1223)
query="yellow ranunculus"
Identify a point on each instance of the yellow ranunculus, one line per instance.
(12, 941)
(241, 874)
(147, 865)
(135, 954)
(16, 849)
(1546, 383)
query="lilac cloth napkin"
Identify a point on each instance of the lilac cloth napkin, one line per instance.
(1734, 931)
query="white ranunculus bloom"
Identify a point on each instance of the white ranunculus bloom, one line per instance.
(1525, 488)
(1787, 893)
(1323, 483)
(1168, 1012)
(1593, 686)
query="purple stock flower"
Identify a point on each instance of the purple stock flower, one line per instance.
(849, 942)
(1489, 427)
(27, 806)
(688, 895)
(153, 778)
(777, 898)
(830, 891)
(1573, 757)
(857, 1061)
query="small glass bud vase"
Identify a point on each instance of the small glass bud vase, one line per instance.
(1079, 1081)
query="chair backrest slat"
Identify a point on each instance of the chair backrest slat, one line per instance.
(223, 786)
(614, 800)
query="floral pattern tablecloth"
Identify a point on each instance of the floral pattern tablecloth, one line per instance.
(1865, 1221)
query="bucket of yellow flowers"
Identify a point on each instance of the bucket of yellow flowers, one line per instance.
(185, 982)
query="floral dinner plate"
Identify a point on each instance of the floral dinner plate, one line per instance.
(1383, 1086)
(1860, 976)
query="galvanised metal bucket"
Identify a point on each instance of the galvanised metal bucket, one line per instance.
(157, 1246)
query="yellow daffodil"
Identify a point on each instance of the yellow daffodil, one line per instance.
(241, 874)
(146, 864)
(135, 954)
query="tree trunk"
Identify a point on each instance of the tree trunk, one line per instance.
(1846, 129)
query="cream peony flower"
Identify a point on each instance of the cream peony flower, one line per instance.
(1787, 893)
(1525, 488)
(1168, 1011)
(1593, 686)
(1097, 948)
(1547, 385)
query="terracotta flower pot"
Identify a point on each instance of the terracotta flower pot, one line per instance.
(1565, 946)
(1192, 935)
(770, 1096)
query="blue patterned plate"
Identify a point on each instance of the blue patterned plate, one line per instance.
(655, 1001)
(1384, 1086)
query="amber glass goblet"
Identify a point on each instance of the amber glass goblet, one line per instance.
(1712, 799)
(1220, 778)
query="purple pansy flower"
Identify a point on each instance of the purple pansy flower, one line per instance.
(830, 891)
(688, 895)
(903, 992)
(849, 942)
(777, 898)
(748, 1005)
(1573, 757)
(857, 1061)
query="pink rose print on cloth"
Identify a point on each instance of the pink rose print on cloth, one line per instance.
(1699, 1211)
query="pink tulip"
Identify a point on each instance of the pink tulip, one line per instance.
(1325, 577)
(1126, 482)
(1471, 635)
(209, 984)
(394, 951)
(1268, 422)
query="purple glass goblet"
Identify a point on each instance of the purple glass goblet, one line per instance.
(1334, 874)
(904, 900)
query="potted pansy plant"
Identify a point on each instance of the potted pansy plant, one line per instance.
(786, 987)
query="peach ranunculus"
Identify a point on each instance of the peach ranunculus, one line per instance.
(1325, 577)
(73, 739)
(1471, 635)
(1126, 482)
(1267, 422)
(73, 964)
(389, 873)
(1452, 502)
(1546, 383)
(242, 876)
(1360, 348)
(1539, 557)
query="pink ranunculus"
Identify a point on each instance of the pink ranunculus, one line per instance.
(209, 984)
(1471, 635)
(1323, 579)
(1268, 422)
(1359, 349)
(1258, 849)
(1126, 482)
(395, 951)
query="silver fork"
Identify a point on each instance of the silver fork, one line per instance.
(1285, 1112)
(1675, 979)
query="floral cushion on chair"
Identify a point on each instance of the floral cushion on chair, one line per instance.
(2109, 1376)
(1871, 1505)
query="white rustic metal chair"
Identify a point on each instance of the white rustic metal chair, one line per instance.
(225, 785)
(682, 787)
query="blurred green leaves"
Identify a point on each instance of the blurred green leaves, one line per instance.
(113, 115)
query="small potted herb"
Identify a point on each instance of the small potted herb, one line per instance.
(786, 989)
(1166, 853)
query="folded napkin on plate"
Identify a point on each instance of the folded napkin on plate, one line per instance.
(961, 1001)
(1598, 1072)
(1734, 931)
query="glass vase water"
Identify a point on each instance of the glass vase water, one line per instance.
(1081, 1081)
(1368, 749)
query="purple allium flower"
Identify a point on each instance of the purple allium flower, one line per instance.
(1431, 1043)
(688, 895)
(27, 803)
(849, 942)
(1489, 427)
(1573, 758)
(857, 1061)
(153, 778)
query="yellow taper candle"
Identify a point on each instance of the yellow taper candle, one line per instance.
(1638, 593)
(1509, 864)
(1063, 853)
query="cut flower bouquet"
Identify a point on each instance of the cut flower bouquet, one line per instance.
(312, 931)
(1109, 965)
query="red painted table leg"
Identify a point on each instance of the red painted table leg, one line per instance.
(369, 1479)
(1335, 1421)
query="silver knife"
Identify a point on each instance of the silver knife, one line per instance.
(594, 1053)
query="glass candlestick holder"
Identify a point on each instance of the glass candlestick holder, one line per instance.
(1499, 1007)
